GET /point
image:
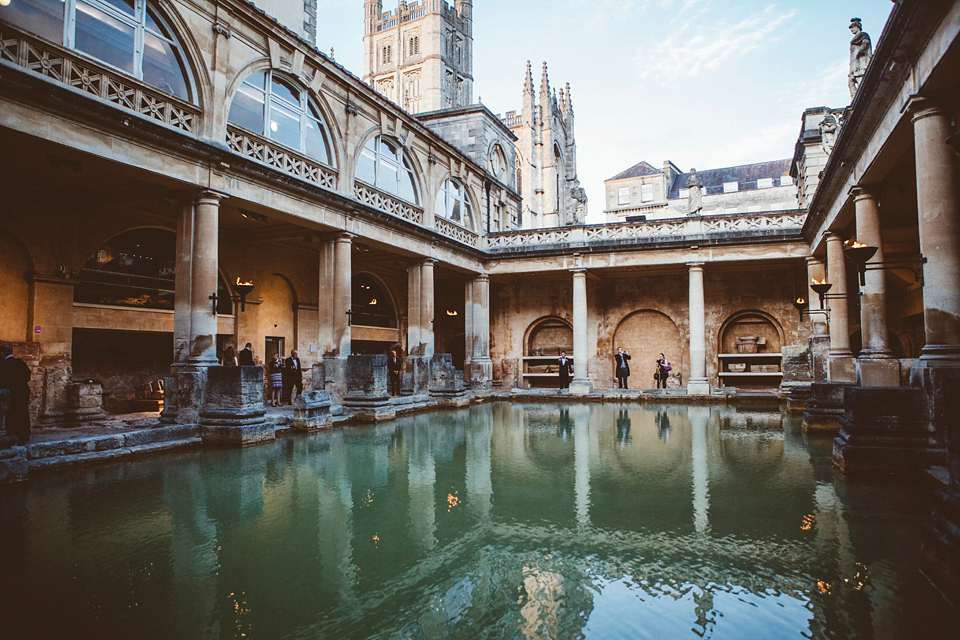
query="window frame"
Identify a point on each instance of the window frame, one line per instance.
(402, 166)
(458, 194)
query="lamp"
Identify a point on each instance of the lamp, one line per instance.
(244, 289)
(800, 304)
(859, 254)
(821, 288)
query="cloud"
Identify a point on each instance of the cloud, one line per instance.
(698, 47)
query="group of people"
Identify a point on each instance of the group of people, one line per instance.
(283, 376)
(621, 369)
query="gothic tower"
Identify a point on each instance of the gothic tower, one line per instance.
(420, 55)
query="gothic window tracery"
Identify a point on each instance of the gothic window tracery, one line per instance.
(275, 107)
(384, 165)
(453, 203)
(125, 34)
(498, 163)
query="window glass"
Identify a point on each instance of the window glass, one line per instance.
(388, 178)
(764, 183)
(125, 6)
(316, 139)
(104, 37)
(285, 92)
(284, 125)
(384, 165)
(247, 108)
(646, 193)
(42, 17)
(731, 187)
(623, 195)
(163, 67)
(367, 166)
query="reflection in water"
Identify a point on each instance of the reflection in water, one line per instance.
(500, 521)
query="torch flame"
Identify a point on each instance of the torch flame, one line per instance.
(801, 301)
(249, 283)
(815, 281)
(853, 244)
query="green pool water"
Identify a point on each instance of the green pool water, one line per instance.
(499, 521)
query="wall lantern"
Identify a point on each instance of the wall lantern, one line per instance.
(800, 305)
(244, 289)
(859, 254)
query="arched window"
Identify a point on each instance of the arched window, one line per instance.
(276, 108)
(370, 303)
(454, 204)
(125, 34)
(384, 165)
(498, 163)
(558, 169)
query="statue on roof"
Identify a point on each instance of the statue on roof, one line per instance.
(694, 193)
(828, 132)
(861, 52)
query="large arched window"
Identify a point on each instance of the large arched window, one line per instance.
(371, 305)
(453, 203)
(384, 165)
(125, 34)
(276, 108)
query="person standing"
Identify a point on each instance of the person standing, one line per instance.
(229, 358)
(663, 372)
(566, 368)
(245, 358)
(394, 366)
(275, 369)
(292, 375)
(620, 367)
(15, 377)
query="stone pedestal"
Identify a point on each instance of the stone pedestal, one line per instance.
(169, 413)
(335, 378)
(416, 376)
(233, 412)
(819, 350)
(885, 430)
(842, 369)
(446, 382)
(84, 403)
(878, 372)
(824, 407)
(184, 394)
(366, 388)
(797, 395)
(13, 459)
(311, 411)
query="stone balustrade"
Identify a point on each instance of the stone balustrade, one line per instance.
(261, 150)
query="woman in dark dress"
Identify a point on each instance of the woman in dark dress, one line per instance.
(663, 372)
(275, 369)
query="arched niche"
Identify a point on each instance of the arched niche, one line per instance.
(748, 324)
(371, 302)
(136, 269)
(14, 267)
(645, 334)
(548, 336)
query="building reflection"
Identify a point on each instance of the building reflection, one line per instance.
(535, 516)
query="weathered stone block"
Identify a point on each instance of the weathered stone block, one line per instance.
(13, 465)
(169, 413)
(366, 396)
(885, 430)
(884, 372)
(84, 403)
(311, 411)
(233, 412)
(842, 369)
(797, 364)
(824, 407)
(416, 376)
(160, 434)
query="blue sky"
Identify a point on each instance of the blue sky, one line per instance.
(704, 83)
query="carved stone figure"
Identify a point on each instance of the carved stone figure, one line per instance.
(694, 193)
(828, 132)
(580, 211)
(861, 52)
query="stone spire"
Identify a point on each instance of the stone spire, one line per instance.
(545, 89)
(563, 102)
(528, 95)
(569, 102)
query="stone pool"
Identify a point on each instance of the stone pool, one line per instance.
(498, 521)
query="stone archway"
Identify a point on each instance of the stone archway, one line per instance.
(16, 292)
(751, 323)
(645, 334)
(277, 316)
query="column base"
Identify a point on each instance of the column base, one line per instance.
(824, 408)
(878, 372)
(372, 409)
(233, 412)
(580, 387)
(311, 411)
(948, 354)
(842, 369)
(698, 387)
(480, 372)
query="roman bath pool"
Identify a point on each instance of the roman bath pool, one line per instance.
(498, 521)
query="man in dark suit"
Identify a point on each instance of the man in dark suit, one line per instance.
(245, 357)
(394, 366)
(292, 375)
(620, 367)
(15, 377)
(566, 368)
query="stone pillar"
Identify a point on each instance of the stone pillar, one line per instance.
(841, 366)
(427, 307)
(413, 310)
(478, 332)
(938, 215)
(325, 342)
(182, 296)
(580, 385)
(342, 294)
(816, 271)
(698, 384)
(204, 279)
(875, 367)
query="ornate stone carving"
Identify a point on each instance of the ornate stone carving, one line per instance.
(861, 52)
(695, 193)
(828, 132)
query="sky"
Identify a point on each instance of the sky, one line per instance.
(702, 83)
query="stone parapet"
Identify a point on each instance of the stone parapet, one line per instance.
(233, 412)
(885, 430)
(824, 407)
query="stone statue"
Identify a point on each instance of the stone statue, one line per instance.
(694, 193)
(861, 52)
(579, 194)
(828, 132)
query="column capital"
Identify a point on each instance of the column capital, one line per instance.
(695, 265)
(830, 236)
(814, 261)
(919, 107)
(209, 196)
(863, 193)
(579, 271)
(427, 262)
(345, 236)
(481, 277)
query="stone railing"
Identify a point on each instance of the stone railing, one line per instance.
(458, 233)
(379, 200)
(667, 230)
(273, 155)
(65, 68)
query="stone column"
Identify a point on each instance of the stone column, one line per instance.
(698, 384)
(427, 307)
(580, 385)
(938, 215)
(413, 310)
(816, 271)
(478, 332)
(875, 367)
(342, 293)
(204, 279)
(841, 366)
(182, 296)
(325, 342)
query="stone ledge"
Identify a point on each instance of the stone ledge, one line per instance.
(112, 455)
